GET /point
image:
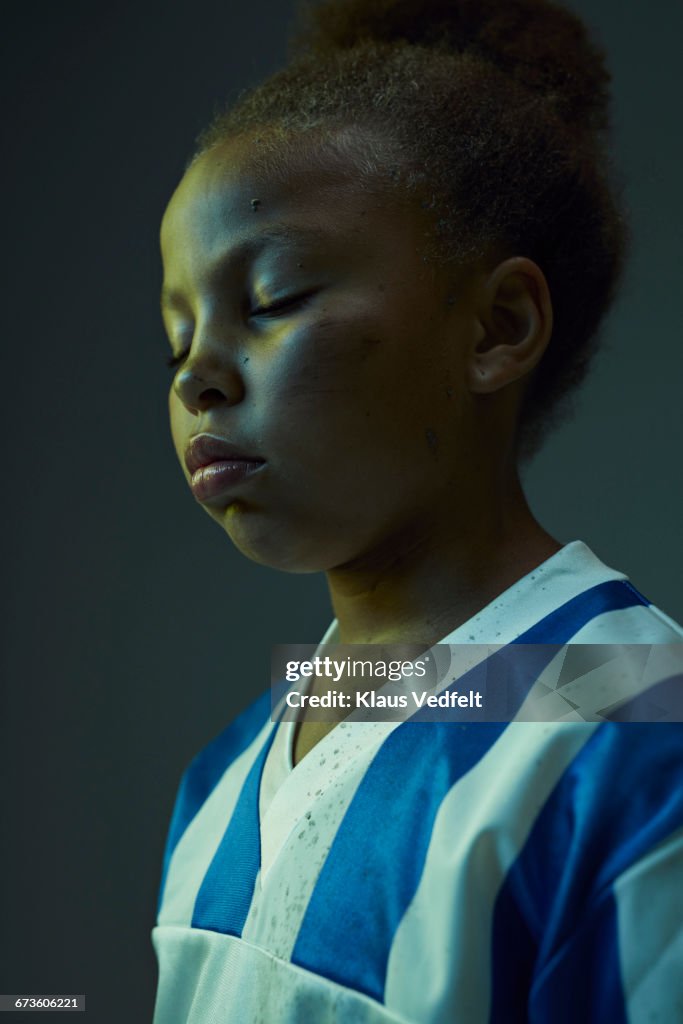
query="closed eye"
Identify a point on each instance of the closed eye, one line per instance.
(281, 305)
(274, 309)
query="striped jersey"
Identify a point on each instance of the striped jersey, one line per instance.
(438, 872)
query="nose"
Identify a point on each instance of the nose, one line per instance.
(208, 377)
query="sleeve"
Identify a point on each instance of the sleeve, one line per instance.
(204, 772)
(624, 961)
(649, 901)
(589, 921)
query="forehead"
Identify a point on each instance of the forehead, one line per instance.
(234, 196)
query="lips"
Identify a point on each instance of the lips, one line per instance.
(205, 449)
(218, 468)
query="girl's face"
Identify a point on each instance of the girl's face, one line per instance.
(315, 339)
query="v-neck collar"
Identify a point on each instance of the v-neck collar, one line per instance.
(287, 789)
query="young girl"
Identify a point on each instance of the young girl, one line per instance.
(384, 272)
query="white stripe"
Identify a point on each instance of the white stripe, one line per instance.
(302, 824)
(209, 978)
(604, 675)
(198, 844)
(649, 899)
(445, 935)
(639, 624)
(668, 622)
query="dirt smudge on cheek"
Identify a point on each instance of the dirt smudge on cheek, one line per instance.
(369, 344)
(432, 440)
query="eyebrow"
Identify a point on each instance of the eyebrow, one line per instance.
(251, 246)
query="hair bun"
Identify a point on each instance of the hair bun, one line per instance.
(540, 44)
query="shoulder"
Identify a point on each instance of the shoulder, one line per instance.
(618, 799)
(599, 880)
(207, 768)
(639, 622)
(208, 765)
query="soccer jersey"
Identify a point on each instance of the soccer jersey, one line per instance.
(438, 872)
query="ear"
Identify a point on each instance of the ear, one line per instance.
(515, 316)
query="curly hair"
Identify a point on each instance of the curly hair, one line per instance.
(496, 114)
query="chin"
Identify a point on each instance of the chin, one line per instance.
(272, 544)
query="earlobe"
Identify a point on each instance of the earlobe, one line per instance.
(515, 315)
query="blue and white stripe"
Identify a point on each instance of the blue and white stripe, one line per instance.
(439, 872)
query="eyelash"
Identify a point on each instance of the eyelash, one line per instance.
(174, 361)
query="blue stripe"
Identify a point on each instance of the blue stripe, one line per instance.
(561, 625)
(373, 868)
(225, 894)
(375, 863)
(555, 929)
(205, 771)
(586, 981)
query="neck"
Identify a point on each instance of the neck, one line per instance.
(424, 581)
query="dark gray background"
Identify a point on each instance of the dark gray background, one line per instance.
(133, 631)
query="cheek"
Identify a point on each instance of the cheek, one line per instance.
(339, 366)
(356, 417)
(310, 388)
